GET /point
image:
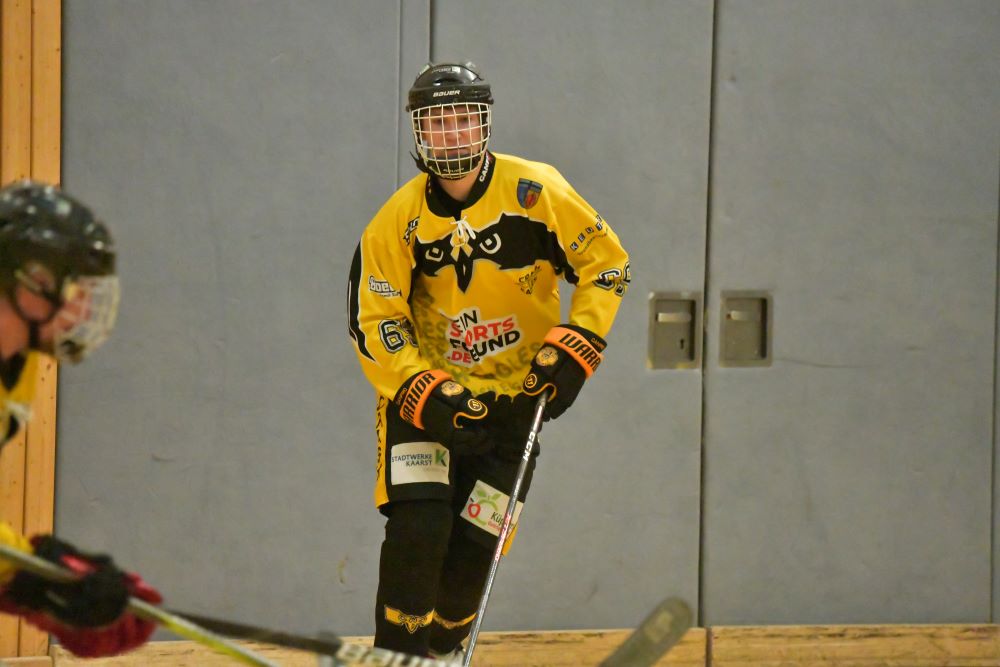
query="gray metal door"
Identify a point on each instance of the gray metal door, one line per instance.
(854, 177)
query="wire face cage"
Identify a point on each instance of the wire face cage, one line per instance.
(451, 138)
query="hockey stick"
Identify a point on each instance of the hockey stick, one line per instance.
(140, 608)
(328, 644)
(657, 634)
(536, 425)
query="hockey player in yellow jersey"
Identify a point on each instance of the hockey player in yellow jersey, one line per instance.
(58, 298)
(454, 310)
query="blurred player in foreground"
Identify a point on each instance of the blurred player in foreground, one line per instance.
(58, 297)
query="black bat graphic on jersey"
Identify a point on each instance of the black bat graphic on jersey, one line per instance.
(512, 242)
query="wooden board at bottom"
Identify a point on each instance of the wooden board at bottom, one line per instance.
(856, 646)
(40, 661)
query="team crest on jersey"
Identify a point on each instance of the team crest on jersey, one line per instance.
(527, 192)
(472, 338)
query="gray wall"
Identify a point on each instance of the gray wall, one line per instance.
(842, 156)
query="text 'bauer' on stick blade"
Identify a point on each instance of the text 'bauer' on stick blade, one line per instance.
(658, 633)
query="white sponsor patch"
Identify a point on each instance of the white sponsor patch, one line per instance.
(382, 287)
(486, 506)
(412, 462)
(473, 338)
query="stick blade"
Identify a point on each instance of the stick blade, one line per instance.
(657, 634)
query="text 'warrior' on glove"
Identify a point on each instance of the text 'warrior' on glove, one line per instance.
(88, 616)
(433, 402)
(569, 355)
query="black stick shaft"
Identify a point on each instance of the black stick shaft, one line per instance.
(536, 425)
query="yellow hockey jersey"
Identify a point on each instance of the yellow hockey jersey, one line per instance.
(473, 291)
(16, 389)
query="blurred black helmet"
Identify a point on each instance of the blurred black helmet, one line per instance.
(44, 231)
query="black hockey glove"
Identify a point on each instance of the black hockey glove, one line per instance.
(508, 420)
(569, 355)
(432, 401)
(97, 599)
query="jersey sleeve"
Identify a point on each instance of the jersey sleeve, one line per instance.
(10, 538)
(596, 263)
(379, 316)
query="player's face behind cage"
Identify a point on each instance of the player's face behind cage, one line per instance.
(451, 138)
(75, 318)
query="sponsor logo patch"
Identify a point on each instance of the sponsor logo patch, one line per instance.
(486, 506)
(527, 192)
(590, 234)
(527, 281)
(413, 462)
(472, 338)
(382, 287)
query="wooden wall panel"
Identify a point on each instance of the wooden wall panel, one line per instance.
(30, 140)
(15, 163)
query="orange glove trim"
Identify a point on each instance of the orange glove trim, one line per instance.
(411, 403)
(578, 347)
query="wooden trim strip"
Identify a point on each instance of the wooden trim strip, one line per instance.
(46, 138)
(857, 646)
(15, 163)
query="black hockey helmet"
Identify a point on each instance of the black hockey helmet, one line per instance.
(449, 83)
(450, 90)
(42, 228)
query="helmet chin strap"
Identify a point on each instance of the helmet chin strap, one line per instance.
(422, 166)
(34, 335)
(34, 325)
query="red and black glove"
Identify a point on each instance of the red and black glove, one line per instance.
(87, 616)
(433, 402)
(569, 355)
(508, 421)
